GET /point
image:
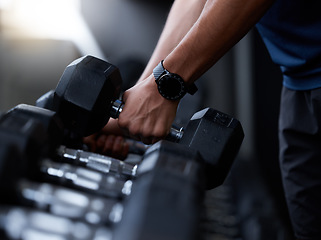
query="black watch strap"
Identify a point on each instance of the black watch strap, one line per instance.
(159, 70)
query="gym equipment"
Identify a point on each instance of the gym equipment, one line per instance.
(84, 95)
(65, 202)
(80, 178)
(164, 191)
(98, 162)
(10, 157)
(216, 135)
(29, 224)
(49, 120)
(28, 135)
(53, 129)
(170, 185)
(164, 158)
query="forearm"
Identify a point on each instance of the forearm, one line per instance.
(221, 24)
(191, 42)
(182, 11)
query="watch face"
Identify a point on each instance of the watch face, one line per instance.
(171, 86)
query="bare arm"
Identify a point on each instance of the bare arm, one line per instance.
(215, 26)
(221, 25)
(183, 15)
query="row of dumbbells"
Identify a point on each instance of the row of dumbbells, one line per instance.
(53, 189)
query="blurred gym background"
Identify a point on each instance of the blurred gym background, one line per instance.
(39, 38)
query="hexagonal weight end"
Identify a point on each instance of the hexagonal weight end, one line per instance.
(218, 137)
(84, 94)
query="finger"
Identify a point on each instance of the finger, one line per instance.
(90, 141)
(100, 142)
(108, 144)
(118, 145)
(120, 148)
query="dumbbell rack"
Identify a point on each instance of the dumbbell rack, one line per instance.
(45, 210)
(82, 203)
(56, 192)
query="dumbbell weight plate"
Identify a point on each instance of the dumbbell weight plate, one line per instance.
(84, 95)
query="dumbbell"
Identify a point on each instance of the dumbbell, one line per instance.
(57, 200)
(52, 133)
(87, 96)
(15, 168)
(167, 197)
(66, 202)
(29, 224)
(10, 158)
(30, 137)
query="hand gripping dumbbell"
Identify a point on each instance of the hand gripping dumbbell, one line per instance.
(87, 96)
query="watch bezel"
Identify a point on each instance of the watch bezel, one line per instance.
(169, 78)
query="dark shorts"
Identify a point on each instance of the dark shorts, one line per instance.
(300, 159)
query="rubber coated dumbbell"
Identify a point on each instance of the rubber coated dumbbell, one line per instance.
(30, 137)
(166, 197)
(52, 131)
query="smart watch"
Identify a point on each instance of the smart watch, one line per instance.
(170, 85)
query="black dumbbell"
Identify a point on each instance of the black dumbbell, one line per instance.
(10, 158)
(87, 95)
(31, 138)
(166, 197)
(52, 132)
(53, 128)
(29, 135)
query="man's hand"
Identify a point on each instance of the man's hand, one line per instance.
(146, 115)
(108, 144)
(109, 141)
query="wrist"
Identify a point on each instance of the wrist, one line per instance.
(170, 85)
(179, 67)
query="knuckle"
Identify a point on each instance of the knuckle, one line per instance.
(123, 123)
(135, 130)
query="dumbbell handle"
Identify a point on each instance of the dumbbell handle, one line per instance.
(174, 135)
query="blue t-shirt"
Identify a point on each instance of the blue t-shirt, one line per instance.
(291, 31)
